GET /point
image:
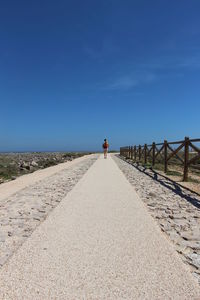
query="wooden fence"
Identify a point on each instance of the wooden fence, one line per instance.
(164, 152)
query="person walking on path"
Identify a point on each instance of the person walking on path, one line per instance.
(105, 148)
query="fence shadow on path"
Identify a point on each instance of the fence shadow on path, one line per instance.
(166, 182)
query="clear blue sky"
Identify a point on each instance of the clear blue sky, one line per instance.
(73, 72)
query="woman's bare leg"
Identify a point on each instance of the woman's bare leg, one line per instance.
(105, 153)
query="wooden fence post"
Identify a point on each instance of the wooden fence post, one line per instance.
(165, 156)
(135, 153)
(139, 153)
(145, 154)
(186, 159)
(153, 153)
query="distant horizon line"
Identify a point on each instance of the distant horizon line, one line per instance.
(52, 151)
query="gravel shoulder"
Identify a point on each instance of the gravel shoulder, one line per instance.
(100, 242)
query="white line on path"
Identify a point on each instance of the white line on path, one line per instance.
(98, 243)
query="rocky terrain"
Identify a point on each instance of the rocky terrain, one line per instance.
(176, 210)
(13, 165)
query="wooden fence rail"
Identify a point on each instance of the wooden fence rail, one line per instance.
(164, 152)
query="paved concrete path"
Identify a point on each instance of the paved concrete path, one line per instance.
(98, 243)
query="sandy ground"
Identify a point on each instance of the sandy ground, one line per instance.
(99, 243)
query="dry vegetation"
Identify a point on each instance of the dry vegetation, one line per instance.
(13, 165)
(175, 172)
